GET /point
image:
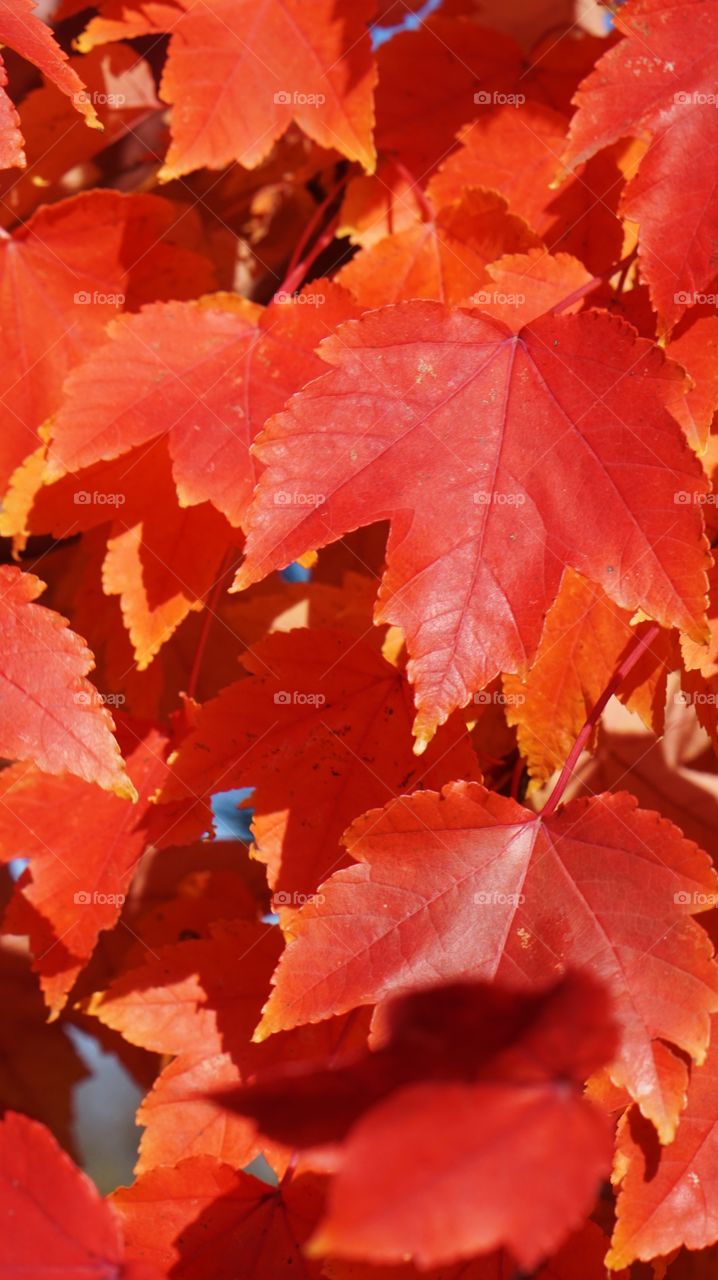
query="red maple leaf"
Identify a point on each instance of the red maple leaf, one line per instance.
(499, 1076)
(52, 1214)
(469, 883)
(475, 443)
(49, 712)
(661, 80)
(264, 67)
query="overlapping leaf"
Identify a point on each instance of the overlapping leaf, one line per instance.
(237, 74)
(49, 712)
(210, 992)
(63, 276)
(469, 883)
(669, 1197)
(22, 30)
(444, 259)
(696, 348)
(532, 463)
(321, 731)
(516, 150)
(83, 846)
(582, 643)
(476, 444)
(431, 76)
(481, 1066)
(660, 80)
(132, 503)
(52, 1215)
(121, 88)
(207, 374)
(199, 1218)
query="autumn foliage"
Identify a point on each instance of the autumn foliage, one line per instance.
(358, 453)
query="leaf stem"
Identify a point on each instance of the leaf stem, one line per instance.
(287, 285)
(290, 1169)
(624, 266)
(419, 195)
(295, 278)
(209, 613)
(638, 648)
(581, 292)
(517, 776)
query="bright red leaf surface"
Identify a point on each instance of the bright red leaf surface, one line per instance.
(63, 276)
(202, 1217)
(669, 1196)
(83, 846)
(581, 1258)
(210, 992)
(467, 882)
(499, 1076)
(208, 374)
(660, 80)
(53, 1218)
(322, 731)
(237, 74)
(50, 714)
(358, 410)
(24, 32)
(475, 444)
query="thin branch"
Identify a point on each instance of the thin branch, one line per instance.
(210, 610)
(287, 285)
(418, 193)
(641, 644)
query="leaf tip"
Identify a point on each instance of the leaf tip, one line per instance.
(125, 789)
(319, 1244)
(168, 173)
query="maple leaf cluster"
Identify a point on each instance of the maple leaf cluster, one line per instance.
(359, 452)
